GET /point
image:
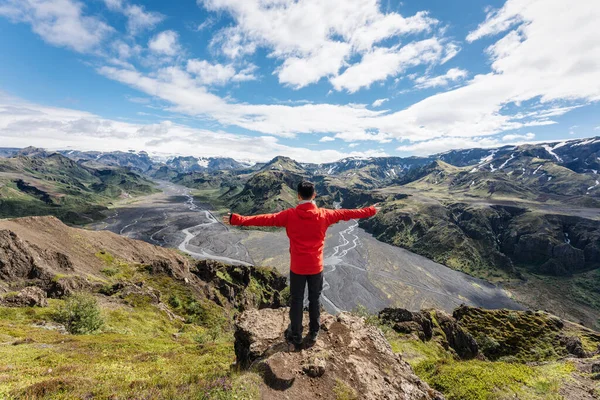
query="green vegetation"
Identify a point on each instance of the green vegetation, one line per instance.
(475, 380)
(522, 337)
(514, 336)
(343, 391)
(80, 314)
(139, 352)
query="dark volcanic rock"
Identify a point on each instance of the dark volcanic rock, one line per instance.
(405, 321)
(574, 346)
(422, 324)
(458, 339)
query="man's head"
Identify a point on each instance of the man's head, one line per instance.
(306, 191)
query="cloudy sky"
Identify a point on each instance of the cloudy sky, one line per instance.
(316, 80)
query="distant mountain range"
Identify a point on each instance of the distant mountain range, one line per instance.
(579, 155)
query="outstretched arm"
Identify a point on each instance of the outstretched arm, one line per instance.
(335, 216)
(277, 219)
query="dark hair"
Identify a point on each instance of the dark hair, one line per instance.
(306, 190)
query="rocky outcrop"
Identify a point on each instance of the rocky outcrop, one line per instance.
(574, 346)
(507, 335)
(42, 251)
(28, 297)
(17, 258)
(349, 354)
(458, 338)
(429, 322)
(404, 321)
(244, 287)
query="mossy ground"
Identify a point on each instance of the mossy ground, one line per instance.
(486, 380)
(140, 353)
(478, 380)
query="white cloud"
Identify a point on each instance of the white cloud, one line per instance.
(187, 96)
(59, 128)
(353, 145)
(597, 128)
(59, 22)
(440, 145)
(165, 43)
(452, 75)
(326, 139)
(302, 71)
(218, 74)
(382, 62)
(379, 102)
(500, 20)
(310, 36)
(361, 135)
(138, 19)
(515, 137)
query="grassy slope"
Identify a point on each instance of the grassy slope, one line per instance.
(140, 352)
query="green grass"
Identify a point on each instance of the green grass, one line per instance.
(139, 353)
(477, 380)
(343, 392)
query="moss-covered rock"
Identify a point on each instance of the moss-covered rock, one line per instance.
(243, 286)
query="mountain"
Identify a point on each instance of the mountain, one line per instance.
(8, 151)
(578, 155)
(203, 164)
(136, 161)
(36, 182)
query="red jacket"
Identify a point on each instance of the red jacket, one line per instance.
(306, 226)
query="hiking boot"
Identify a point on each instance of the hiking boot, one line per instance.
(312, 337)
(291, 338)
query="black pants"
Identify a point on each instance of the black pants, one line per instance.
(297, 285)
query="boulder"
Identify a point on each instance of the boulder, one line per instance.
(29, 297)
(17, 260)
(574, 346)
(348, 352)
(458, 339)
(421, 323)
(404, 321)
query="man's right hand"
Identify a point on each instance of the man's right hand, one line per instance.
(227, 219)
(377, 207)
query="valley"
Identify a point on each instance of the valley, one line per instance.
(359, 270)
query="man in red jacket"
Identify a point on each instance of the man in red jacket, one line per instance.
(306, 226)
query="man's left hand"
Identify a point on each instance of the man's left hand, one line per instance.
(227, 219)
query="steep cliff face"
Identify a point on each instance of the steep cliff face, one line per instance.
(480, 239)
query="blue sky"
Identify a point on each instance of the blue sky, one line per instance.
(316, 80)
